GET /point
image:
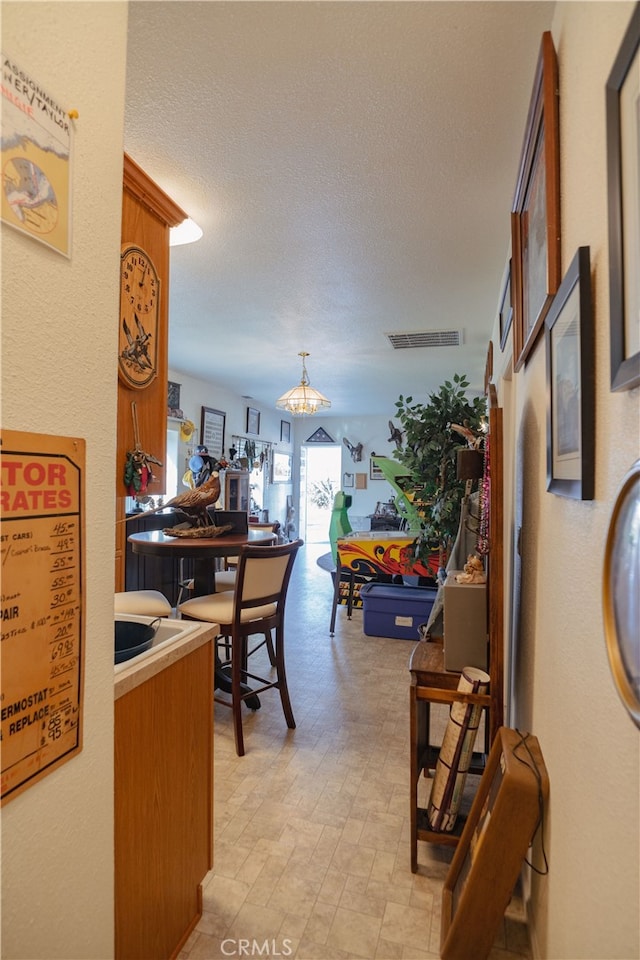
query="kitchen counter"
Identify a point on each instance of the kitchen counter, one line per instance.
(189, 635)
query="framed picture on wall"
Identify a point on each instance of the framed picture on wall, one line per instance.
(505, 315)
(535, 220)
(347, 479)
(285, 431)
(173, 399)
(623, 173)
(375, 473)
(253, 421)
(570, 391)
(212, 431)
(281, 468)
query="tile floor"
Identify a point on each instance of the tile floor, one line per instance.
(311, 830)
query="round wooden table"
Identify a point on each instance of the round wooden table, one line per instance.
(202, 550)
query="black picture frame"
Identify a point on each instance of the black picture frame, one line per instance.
(173, 397)
(212, 424)
(620, 590)
(505, 310)
(570, 384)
(622, 99)
(535, 218)
(253, 421)
(285, 431)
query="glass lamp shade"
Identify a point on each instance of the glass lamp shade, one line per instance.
(302, 400)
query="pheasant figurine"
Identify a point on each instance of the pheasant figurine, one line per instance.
(193, 503)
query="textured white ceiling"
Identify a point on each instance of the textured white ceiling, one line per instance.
(352, 166)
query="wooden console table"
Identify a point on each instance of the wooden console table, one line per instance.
(431, 683)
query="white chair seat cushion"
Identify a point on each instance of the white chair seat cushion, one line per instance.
(218, 608)
(149, 603)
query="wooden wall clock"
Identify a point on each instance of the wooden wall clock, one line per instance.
(139, 305)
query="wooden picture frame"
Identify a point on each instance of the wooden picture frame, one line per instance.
(620, 591)
(505, 310)
(212, 431)
(570, 386)
(505, 814)
(281, 467)
(253, 421)
(622, 98)
(535, 219)
(285, 431)
(488, 367)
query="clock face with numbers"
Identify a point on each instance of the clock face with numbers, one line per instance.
(139, 302)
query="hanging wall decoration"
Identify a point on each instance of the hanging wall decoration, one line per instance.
(623, 170)
(37, 148)
(570, 391)
(320, 436)
(535, 220)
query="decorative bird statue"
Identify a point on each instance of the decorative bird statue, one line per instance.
(354, 449)
(193, 503)
(396, 435)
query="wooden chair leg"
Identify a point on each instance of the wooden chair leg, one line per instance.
(282, 680)
(236, 701)
(270, 650)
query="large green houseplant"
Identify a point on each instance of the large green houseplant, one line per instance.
(428, 456)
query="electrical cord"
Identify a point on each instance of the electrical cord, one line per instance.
(533, 766)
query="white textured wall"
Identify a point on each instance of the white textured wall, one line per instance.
(587, 907)
(58, 332)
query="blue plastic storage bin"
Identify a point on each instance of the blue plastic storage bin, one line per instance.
(395, 610)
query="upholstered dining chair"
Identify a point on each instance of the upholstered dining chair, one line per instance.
(224, 580)
(256, 606)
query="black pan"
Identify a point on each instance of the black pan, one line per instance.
(132, 638)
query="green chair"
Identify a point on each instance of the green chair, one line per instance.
(339, 526)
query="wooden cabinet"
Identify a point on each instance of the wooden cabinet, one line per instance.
(236, 490)
(163, 806)
(147, 216)
(154, 573)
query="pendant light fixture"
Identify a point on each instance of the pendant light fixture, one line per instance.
(303, 399)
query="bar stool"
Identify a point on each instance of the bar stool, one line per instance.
(145, 603)
(256, 606)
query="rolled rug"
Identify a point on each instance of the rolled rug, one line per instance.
(456, 752)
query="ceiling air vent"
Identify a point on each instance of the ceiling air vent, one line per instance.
(425, 338)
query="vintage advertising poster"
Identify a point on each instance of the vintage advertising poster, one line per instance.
(36, 159)
(42, 641)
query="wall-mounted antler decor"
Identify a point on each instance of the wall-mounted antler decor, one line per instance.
(354, 449)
